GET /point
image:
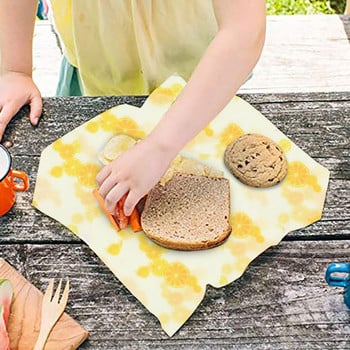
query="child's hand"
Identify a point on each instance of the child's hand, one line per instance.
(134, 172)
(17, 90)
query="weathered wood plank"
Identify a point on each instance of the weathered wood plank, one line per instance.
(324, 135)
(303, 53)
(281, 302)
(300, 96)
(327, 130)
(46, 58)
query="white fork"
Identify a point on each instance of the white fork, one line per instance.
(51, 311)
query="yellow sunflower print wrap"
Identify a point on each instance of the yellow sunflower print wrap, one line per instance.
(169, 283)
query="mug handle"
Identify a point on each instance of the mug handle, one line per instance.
(335, 280)
(22, 176)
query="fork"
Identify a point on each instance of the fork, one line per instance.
(51, 310)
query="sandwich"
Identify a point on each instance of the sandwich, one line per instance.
(190, 212)
(188, 209)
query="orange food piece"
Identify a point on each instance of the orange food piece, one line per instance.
(119, 213)
(102, 204)
(135, 221)
(119, 220)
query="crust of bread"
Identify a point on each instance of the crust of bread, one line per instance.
(190, 246)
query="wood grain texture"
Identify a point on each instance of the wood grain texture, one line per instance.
(303, 53)
(47, 58)
(281, 302)
(25, 317)
(318, 123)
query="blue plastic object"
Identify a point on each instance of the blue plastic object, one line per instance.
(340, 281)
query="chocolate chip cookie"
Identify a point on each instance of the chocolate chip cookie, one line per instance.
(256, 160)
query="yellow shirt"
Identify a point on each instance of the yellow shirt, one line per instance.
(132, 46)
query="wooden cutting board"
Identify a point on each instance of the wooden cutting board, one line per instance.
(24, 322)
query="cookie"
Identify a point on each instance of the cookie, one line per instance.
(256, 160)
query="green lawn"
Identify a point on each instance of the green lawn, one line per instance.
(304, 7)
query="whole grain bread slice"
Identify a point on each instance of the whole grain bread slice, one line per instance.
(190, 212)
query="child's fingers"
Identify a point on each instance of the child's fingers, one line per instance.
(113, 197)
(119, 213)
(6, 114)
(107, 185)
(102, 175)
(130, 203)
(36, 106)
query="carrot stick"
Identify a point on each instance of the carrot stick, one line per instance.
(119, 213)
(108, 214)
(135, 221)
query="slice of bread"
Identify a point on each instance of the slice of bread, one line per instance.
(189, 212)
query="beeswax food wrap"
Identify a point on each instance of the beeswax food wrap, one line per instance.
(169, 283)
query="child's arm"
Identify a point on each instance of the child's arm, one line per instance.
(225, 65)
(16, 85)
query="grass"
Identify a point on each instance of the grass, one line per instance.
(305, 7)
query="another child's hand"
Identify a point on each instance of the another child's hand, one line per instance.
(17, 90)
(134, 172)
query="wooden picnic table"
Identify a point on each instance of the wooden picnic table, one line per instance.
(281, 302)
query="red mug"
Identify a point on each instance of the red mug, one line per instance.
(8, 186)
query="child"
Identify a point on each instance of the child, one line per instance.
(129, 47)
